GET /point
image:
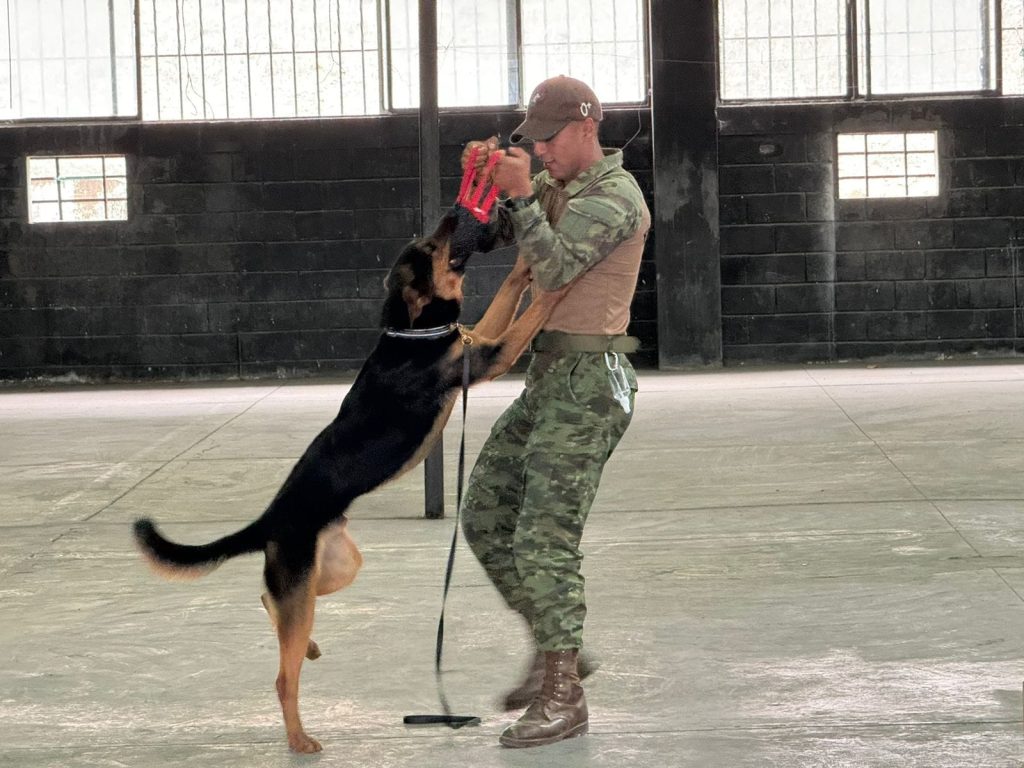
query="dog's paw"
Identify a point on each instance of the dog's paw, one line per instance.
(303, 743)
(313, 650)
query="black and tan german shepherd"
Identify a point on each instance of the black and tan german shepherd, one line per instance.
(387, 423)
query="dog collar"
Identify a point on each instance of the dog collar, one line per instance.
(421, 333)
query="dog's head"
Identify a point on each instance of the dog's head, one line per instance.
(424, 286)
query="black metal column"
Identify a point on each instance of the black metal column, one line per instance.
(430, 207)
(685, 150)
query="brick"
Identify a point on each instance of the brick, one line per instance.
(732, 209)
(1004, 202)
(809, 297)
(762, 270)
(292, 196)
(896, 326)
(745, 179)
(790, 238)
(205, 228)
(925, 295)
(985, 294)
(896, 209)
(851, 210)
(864, 296)
(929, 234)
(233, 197)
(386, 223)
(851, 326)
(766, 209)
(173, 198)
(955, 263)
(334, 284)
(968, 142)
(981, 233)
(748, 300)
(959, 203)
(735, 150)
(749, 239)
(803, 177)
(1004, 262)
(362, 193)
(820, 207)
(788, 329)
(864, 236)
(320, 225)
(894, 265)
(820, 267)
(970, 324)
(851, 266)
(983, 172)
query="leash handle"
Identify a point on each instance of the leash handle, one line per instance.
(452, 721)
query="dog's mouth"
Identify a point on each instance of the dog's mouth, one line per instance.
(457, 263)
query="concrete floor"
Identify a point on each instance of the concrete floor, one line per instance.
(818, 566)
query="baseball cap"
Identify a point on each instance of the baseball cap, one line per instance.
(553, 105)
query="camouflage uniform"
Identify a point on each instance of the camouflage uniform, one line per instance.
(538, 472)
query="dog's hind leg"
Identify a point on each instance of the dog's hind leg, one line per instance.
(338, 562)
(292, 593)
(312, 649)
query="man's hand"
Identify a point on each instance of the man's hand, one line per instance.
(512, 174)
(484, 149)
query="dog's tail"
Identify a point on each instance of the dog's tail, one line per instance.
(185, 561)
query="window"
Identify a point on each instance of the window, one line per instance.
(75, 59)
(781, 49)
(887, 165)
(217, 59)
(77, 188)
(241, 59)
(599, 41)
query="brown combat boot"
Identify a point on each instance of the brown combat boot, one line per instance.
(559, 711)
(529, 689)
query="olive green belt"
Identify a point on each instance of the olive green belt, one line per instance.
(558, 341)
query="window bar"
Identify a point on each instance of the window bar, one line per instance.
(227, 70)
(615, 43)
(10, 60)
(341, 79)
(248, 60)
(270, 58)
(202, 62)
(771, 55)
(138, 58)
(295, 60)
(513, 39)
(316, 58)
(113, 55)
(852, 51)
(383, 55)
(747, 48)
(997, 46)
(178, 56)
(867, 48)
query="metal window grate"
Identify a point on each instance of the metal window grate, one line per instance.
(67, 59)
(482, 61)
(778, 49)
(938, 46)
(785, 49)
(887, 165)
(77, 188)
(601, 42)
(216, 59)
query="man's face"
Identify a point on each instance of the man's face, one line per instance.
(563, 154)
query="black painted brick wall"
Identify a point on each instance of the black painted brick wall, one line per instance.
(806, 276)
(252, 249)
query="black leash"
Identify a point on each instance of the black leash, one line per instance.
(452, 721)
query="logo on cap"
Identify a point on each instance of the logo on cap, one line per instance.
(585, 108)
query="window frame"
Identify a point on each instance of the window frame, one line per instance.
(858, 58)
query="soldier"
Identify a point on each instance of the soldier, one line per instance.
(582, 218)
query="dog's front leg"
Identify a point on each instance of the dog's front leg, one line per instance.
(514, 341)
(505, 303)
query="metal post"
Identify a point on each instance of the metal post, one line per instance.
(430, 206)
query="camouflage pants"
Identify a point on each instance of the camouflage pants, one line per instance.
(533, 485)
